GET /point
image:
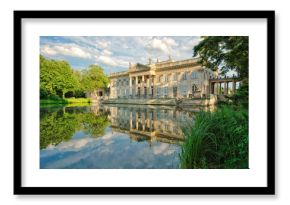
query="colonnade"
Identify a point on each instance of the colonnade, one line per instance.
(221, 86)
(142, 89)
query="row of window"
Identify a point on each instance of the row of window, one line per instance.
(161, 91)
(161, 78)
(122, 83)
(185, 76)
(164, 90)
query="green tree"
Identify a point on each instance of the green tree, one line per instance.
(93, 78)
(65, 81)
(80, 92)
(46, 78)
(57, 76)
(224, 53)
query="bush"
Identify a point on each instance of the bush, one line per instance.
(217, 140)
(80, 94)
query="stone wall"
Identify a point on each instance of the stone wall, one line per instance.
(211, 100)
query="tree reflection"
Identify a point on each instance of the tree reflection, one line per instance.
(57, 125)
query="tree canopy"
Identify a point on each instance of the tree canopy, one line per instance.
(224, 53)
(93, 78)
(58, 78)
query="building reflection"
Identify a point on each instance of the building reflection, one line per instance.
(149, 123)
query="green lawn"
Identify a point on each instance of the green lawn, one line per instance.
(64, 101)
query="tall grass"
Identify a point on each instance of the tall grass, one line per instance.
(217, 140)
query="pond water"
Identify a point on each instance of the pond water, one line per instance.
(111, 137)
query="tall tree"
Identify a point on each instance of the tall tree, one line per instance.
(46, 77)
(93, 78)
(65, 80)
(225, 53)
(57, 76)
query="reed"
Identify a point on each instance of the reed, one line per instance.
(217, 140)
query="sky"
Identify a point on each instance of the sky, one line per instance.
(114, 53)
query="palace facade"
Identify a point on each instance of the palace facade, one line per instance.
(166, 79)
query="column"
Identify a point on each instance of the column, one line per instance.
(234, 87)
(216, 88)
(131, 121)
(225, 88)
(136, 86)
(118, 88)
(211, 88)
(220, 90)
(142, 86)
(143, 121)
(153, 84)
(136, 120)
(130, 86)
(149, 85)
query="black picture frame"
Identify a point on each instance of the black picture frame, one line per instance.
(268, 190)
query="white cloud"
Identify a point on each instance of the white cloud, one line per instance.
(48, 50)
(190, 44)
(158, 44)
(110, 61)
(107, 52)
(165, 44)
(107, 60)
(65, 49)
(82, 40)
(170, 41)
(115, 52)
(103, 44)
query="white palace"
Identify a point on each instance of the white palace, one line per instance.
(166, 79)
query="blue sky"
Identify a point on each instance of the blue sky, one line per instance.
(114, 53)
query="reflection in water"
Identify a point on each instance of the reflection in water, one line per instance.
(57, 125)
(111, 137)
(149, 123)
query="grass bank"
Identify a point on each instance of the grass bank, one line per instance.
(217, 140)
(64, 101)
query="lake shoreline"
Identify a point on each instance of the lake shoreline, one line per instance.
(66, 101)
